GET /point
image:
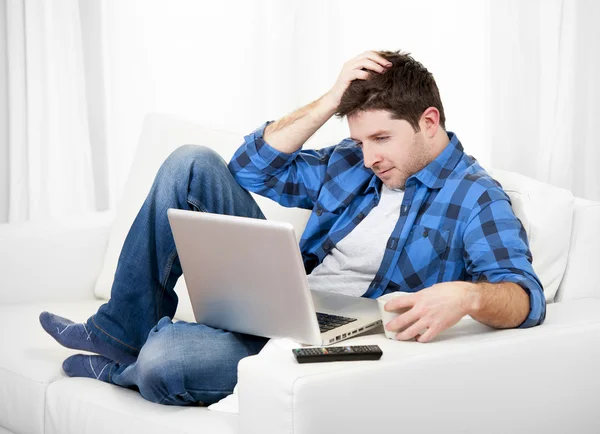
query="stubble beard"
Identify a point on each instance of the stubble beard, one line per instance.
(418, 159)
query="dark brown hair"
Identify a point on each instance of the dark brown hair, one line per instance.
(406, 89)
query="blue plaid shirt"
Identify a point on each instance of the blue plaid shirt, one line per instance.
(456, 222)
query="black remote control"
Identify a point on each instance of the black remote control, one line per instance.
(337, 354)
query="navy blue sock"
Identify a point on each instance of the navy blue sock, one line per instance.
(97, 367)
(79, 337)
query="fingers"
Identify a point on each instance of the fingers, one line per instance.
(362, 65)
(402, 320)
(413, 331)
(361, 68)
(370, 65)
(374, 57)
(361, 75)
(400, 302)
(428, 335)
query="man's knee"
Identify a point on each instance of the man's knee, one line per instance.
(169, 368)
(170, 373)
(193, 157)
(160, 377)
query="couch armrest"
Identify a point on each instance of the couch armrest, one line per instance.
(52, 261)
(472, 379)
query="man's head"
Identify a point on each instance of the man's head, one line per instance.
(397, 117)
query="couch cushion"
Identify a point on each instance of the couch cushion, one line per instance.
(160, 136)
(81, 405)
(547, 214)
(31, 360)
(32, 384)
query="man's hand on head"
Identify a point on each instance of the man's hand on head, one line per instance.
(433, 309)
(359, 68)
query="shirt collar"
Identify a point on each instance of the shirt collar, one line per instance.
(434, 175)
(374, 184)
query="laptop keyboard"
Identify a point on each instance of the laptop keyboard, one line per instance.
(329, 322)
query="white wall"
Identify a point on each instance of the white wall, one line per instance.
(235, 64)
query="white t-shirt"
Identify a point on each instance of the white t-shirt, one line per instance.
(352, 264)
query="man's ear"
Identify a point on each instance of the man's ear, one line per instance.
(430, 122)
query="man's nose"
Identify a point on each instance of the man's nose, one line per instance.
(370, 158)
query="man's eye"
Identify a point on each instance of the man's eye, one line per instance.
(359, 145)
(380, 139)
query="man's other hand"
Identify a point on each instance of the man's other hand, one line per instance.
(433, 309)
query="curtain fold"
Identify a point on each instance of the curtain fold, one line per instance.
(51, 171)
(518, 80)
(4, 166)
(545, 61)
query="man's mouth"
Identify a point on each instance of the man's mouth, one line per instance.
(383, 172)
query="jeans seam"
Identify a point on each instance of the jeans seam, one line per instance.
(111, 336)
(170, 396)
(196, 203)
(209, 391)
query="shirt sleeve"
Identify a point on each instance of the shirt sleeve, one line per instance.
(292, 180)
(497, 250)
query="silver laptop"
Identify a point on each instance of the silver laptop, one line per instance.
(246, 275)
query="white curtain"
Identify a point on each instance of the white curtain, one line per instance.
(518, 81)
(234, 64)
(47, 139)
(545, 95)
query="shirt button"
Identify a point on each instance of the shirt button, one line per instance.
(361, 216)
(425, 233)
(319, 212)
(327, 245)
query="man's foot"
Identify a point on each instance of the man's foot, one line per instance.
(97, 367)
(79, 337)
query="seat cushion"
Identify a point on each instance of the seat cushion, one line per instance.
(33, 386)
(81, 405)
(31, 360)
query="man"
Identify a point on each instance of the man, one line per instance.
(397, 207)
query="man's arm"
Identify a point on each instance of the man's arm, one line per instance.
(291, 132)
(500, 305)
(434, 309)
(271, 163)
(505, 291)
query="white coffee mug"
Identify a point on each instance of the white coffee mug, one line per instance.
(388, 316)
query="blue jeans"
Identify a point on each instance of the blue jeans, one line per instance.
(177, 363)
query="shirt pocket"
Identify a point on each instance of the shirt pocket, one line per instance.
(423, 256)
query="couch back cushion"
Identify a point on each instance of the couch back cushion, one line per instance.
(546, 212)
(161, 135)
(582, 279)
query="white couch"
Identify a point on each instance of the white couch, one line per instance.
(472, 379)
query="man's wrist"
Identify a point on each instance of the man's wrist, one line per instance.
(330, 103)
(471, 298)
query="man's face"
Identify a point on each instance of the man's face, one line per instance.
(391, 147)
